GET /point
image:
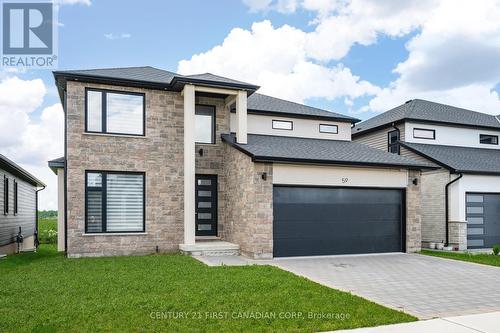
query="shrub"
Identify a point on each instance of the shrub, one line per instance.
(47, 236)
(496, 249)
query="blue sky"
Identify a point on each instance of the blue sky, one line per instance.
(166, 32)
(357, 57)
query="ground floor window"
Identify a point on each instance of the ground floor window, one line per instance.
(114, 201)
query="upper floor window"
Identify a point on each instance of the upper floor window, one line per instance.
(488, 139)
(283, 125)
(204, 124)
(114, 112)
(392, 143)
(325, 128)
(422, 133)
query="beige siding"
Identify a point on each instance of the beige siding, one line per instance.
(378, 139)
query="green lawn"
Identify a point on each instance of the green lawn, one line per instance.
(479, 258)
(45, 292)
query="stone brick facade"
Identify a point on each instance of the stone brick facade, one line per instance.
(159, 154)
(458, 234)
(413, 213)
(249, 204)
(433, 203)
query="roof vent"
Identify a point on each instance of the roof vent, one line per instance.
(408, 101)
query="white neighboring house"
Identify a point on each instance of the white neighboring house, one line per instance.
(461, 200)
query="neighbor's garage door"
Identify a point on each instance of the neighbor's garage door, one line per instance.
(483, 220)
(322, 221)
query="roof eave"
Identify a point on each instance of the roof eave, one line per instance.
(16, 170)
(268, 159)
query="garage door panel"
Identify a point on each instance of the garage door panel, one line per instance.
(322, 221)
(329, 212)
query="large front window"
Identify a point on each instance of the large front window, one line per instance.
(114, 112)
(204, 124)
(114, 202)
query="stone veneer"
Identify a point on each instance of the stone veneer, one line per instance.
(249, 204)
(413, 213)
(159, 154)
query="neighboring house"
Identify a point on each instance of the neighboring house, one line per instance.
(156, 161)
(464, 144)
(18, 206)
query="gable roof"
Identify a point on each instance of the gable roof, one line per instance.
(8, 165)
(459, 159)
(267, 148)
(422, 110)
(267, 105)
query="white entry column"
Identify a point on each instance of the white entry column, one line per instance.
(189, 165)
(241, 117)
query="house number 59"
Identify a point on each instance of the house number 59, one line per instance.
(345, 180)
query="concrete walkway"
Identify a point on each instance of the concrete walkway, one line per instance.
(424, 286)
(485, 323)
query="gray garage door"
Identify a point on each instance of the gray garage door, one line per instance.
(483, 220)
(323, 221)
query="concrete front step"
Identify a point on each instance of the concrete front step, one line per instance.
(210, 248)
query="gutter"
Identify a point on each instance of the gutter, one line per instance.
(447, 214)
(399, 137)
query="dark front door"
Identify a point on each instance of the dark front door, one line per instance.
(206, 205)
(323, 221)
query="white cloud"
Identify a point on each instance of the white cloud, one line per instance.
(29, 141)
(112, 36)
(276, 59)
(454, 59)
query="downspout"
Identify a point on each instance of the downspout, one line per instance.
(65, 172)
(36, 215)
(399, 137)
(446, 205)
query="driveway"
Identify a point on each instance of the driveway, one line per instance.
(423, 286)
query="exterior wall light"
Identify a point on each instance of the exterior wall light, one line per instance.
(264, 176)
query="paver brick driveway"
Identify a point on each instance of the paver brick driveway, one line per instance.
(423, 286)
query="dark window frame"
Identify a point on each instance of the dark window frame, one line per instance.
(103, 190)
(214, 127)
(390, 144)
(15, 183)
(5, 195)
(424, 129)
(488, 135)
(283, 121)
(104, 110)
(327, 132)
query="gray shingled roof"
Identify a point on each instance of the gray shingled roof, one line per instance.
(9, 165)
(257, 103)
(213, 78)
(266, 148)
(144, 74)
(266, 104)
(460, 159)
(419, 109)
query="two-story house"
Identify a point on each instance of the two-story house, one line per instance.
(156, 161)
(461, 199)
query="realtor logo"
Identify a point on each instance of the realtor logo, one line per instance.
(28, 34)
